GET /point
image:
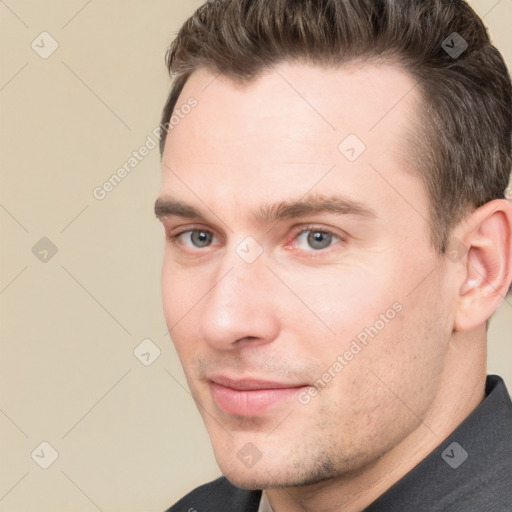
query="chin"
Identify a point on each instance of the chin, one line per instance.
(249, 480)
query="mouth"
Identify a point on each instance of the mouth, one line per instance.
(250, 397)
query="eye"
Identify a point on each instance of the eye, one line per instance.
(196, 238)
(317, 240)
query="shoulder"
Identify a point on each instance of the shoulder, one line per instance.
(218, 495)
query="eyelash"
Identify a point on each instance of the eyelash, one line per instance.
(295, 234)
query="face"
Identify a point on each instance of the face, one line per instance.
(300, 287)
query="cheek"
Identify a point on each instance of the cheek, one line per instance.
(342, 307)
(391, 381)
(170, 294)
(383, 327)
(336, 295)
(181, 289)
(180, 296)
(406, 360)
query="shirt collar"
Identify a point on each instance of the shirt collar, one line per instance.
(264, 503)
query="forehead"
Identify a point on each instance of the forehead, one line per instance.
(294, 128)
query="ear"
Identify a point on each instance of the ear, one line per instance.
(484, 245)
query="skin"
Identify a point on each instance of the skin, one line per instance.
(289, 314)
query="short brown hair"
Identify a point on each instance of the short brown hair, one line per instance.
(461, 147)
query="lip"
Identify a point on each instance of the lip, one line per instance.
(250, 397)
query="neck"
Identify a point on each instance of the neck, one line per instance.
(461, 389)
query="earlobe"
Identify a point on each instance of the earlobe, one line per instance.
(487, 272)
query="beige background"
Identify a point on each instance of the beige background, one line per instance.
(128, 436)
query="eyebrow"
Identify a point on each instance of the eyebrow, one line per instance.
(339, 205)
(272, 213)
(165, 207)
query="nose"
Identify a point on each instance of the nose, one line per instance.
(241, 306)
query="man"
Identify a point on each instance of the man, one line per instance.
(338, 237)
